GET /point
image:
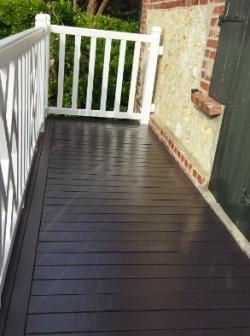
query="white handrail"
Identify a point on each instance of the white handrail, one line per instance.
(10, 50)
(14, 38)
(151, 41)
(114, 35)
(23, 69)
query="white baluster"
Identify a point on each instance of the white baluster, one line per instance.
(120, 72)
(149, 80)
(105, 75)
(76, 71)
(61, 70)
(43, 20)
(134, 76)
(92, 57)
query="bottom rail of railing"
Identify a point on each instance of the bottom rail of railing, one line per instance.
(93, 113)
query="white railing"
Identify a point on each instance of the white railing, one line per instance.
(24, 75)
(23, 88)
(151, 41)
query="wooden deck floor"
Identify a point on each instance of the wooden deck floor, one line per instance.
(115, 240)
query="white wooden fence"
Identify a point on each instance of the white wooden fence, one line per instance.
(23, 72)
(24, 75)
(151, 41)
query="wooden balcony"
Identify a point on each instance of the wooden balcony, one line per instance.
(101, 233)
(115, 240)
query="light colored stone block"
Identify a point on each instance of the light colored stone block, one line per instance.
(184, 38)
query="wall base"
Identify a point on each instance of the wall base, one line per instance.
(240, 239)
(185, 159)
(200, 180)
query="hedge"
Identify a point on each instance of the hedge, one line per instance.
(18, 15)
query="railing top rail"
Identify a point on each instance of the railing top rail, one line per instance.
(101, 33)
(14, 38)
(14, 46)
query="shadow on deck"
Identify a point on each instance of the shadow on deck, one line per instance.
(115, 240)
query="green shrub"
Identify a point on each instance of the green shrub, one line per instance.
(18, 15)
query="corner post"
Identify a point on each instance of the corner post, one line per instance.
(43, 21)
(150, 74)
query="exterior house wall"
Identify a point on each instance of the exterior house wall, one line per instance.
(190, 39)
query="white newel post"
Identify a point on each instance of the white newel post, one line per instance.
(43, 20)
(150, 73)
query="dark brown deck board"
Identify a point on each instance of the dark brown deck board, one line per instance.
(147, 258)
(133, 320)
(126, 244)
(138, 272)
(136, 246)
(138, 302)
(130, 236)
(197, 332)
(134, 286)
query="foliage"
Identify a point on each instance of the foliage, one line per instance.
(17, 15)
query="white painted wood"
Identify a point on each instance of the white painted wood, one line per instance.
(161, 50)
(151, 41)
(10, 95)
(23, 126)
(105, 74)
(149, 80)
(19, 127)
(22, 63)
(60, 83)
(28, 130)
(43, 21)
(47, 66)
(34, 97)
(91, 75)
(25, 114)
(152, 108)
(134, 76)
(76, 70)
(10, 40)
(106, 34)
(10, 51)
(93, 113)
(39, 80)
(120, 72)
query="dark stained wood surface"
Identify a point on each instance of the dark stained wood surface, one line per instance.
(126, 244)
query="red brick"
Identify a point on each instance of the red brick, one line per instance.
(212, 54)
(200, 179)
(185, 164)
(214, 21)
(205, 85)
(207, 104)
(212, 44)
(219, 10)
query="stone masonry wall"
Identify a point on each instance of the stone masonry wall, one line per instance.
(190, 38)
